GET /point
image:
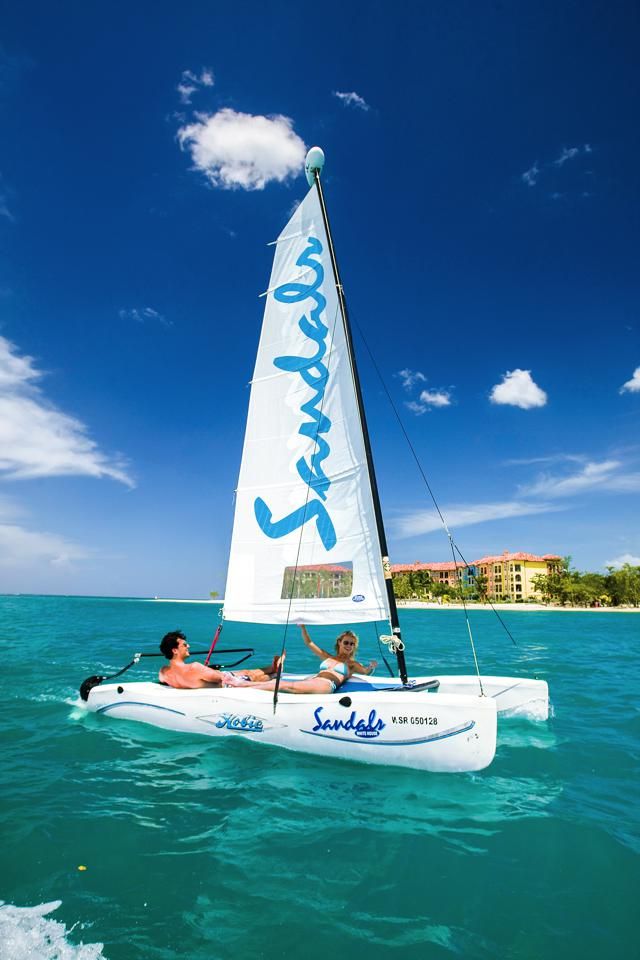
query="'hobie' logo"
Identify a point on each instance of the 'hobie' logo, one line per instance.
(232, 721)
(314, 373)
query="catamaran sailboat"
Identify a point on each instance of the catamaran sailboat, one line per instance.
(309, 547)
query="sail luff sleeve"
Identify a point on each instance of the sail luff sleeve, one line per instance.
(373, 483)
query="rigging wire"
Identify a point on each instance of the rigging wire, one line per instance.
(488, 600)
(452, 543)
(466, 613)
(391, 673)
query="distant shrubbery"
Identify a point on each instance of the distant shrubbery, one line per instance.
(417, 584)
(567, 586)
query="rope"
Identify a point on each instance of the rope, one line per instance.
(392, 643)
(214, 641)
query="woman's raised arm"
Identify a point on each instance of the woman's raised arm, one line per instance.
(319, 652)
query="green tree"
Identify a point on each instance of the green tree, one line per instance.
(555, 586)
(481, 586)
(442, 589)
(401, 586)
(624, 584)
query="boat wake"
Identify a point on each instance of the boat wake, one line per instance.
(26, 933)
(535, 710)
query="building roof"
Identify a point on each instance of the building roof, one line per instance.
(323, 568)
(450, 565)
(506, 556)
(435, 567)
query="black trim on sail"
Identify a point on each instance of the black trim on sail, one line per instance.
(393, 609)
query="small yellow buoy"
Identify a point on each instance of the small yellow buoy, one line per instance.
(82, 867)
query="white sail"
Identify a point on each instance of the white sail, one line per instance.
(305, 545)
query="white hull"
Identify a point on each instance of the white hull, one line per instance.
(442, 732)
(514, 696)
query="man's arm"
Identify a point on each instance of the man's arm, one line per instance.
(208, 674)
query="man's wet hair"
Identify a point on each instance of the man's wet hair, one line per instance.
(170, 641)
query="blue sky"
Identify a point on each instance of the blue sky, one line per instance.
(482, 182)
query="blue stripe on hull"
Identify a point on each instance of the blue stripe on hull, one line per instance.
(453, 732)
(135, 703)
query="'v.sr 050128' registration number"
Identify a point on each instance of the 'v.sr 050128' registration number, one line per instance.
(418, 721)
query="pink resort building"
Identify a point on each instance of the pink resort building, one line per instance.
(507, 576)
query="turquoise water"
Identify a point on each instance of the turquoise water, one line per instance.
(204, 849)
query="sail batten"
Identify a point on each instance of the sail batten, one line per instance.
(305, 546)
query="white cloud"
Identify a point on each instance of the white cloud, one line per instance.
(21, 547)
(518, 390)
(239, 150)
(427, 398)
(4, 207)
(531, 176)
(15, 371)
(144, 314)
(410, 378)
(633, 385)
(36, 439)
(622, 559)
(605, 475)
(190, 82)
(569, 153)
(352, 99)
(550, 458)
(436, 398)
(535, 498)
(419, 522)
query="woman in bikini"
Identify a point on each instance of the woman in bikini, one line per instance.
(334, 669)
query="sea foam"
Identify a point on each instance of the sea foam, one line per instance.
(27, 934)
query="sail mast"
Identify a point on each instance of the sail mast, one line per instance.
(313, 166)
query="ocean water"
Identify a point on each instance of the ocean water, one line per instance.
(201, 848)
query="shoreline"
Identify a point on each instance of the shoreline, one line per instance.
(177, 600)
(402, 604)
(517, 607)
(431, 605)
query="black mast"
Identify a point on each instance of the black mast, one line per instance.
(393, 609)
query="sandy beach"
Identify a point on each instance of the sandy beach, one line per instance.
(430, 605)
(177, 600)
(519, 607)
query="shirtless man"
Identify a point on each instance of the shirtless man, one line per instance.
(188, 676)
